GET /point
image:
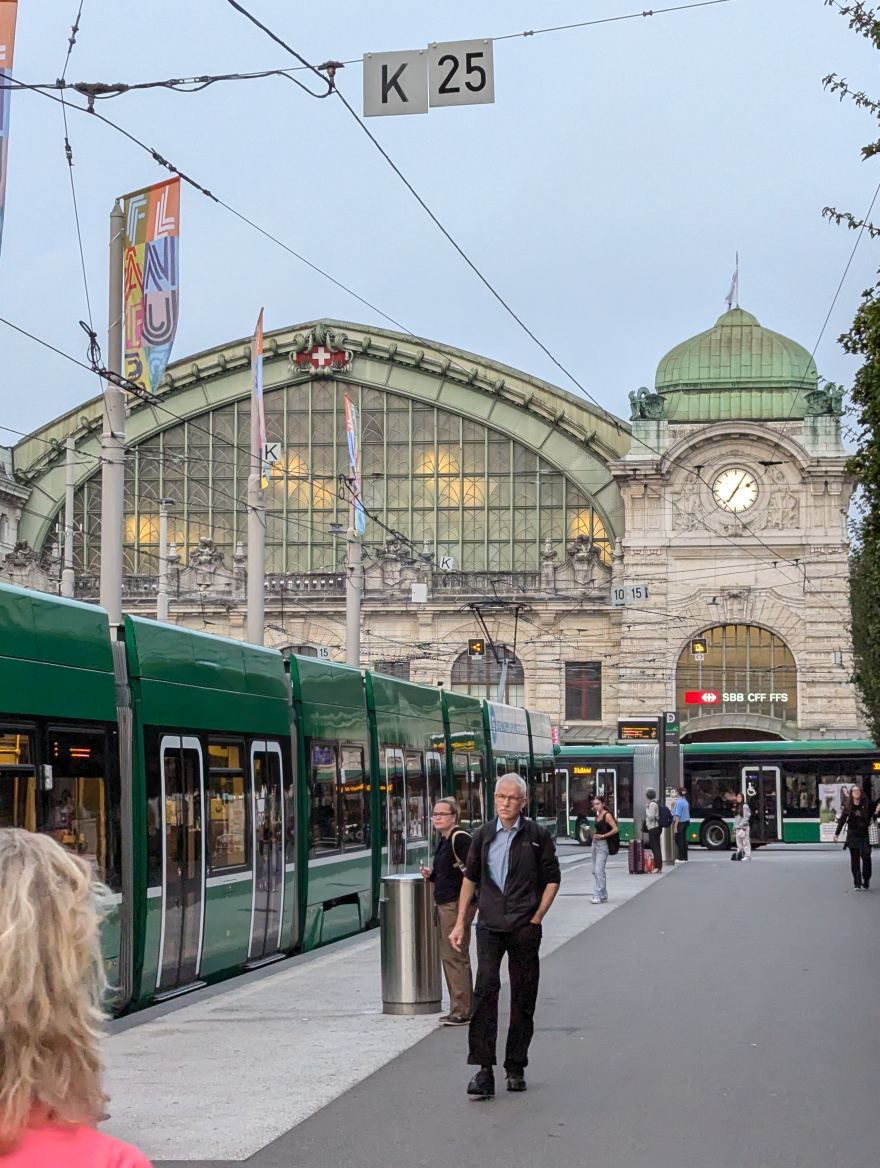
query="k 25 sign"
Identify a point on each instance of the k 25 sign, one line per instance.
(452, 73)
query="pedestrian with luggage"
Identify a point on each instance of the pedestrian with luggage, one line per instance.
(681, 821)
(742, 832)
(513, 863)
(446, 875)
(52, 988)
(856, 817)
(651, 825)
(606, 835)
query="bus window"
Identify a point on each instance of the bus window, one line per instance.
(355, 818)
(712, 791)
(323, 819)
(227, 806)
(18, 795)
(76, 795)
(416, 798)
(800, 792)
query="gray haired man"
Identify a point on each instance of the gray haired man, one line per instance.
(513, 863)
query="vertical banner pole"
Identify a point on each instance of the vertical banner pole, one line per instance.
(162, 595)
(256, 507)
(113, 436)
(8, 12)
(354, 580)
(67, 577)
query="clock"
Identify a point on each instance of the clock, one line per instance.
(735, 489)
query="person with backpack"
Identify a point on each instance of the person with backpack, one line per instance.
(653, 823)
(446, 875)
(606, 842)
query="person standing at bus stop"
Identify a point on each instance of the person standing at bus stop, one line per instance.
(513, 863)
(681, 822)
(446, 875)
(651, 824)
(856, 818)
(605, 830)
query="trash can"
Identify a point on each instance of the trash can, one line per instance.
(410, 944)
(667, 845)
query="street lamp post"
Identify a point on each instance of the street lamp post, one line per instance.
(162, 597)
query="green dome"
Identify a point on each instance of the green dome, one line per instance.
(737, 369)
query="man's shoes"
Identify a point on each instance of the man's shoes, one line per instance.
(595, 900)
(455, 1020)
(482, 1085)
(515, 1081)
(866, 885)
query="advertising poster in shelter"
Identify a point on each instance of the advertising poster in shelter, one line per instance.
(832, 797)
(151, 280)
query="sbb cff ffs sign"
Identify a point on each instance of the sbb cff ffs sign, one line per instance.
(701, 697)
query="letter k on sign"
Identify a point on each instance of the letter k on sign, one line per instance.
(396, 83)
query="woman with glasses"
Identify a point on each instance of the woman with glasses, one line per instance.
(449, 861)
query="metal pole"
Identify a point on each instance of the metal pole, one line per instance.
(256, 534)
(501, 696)
(162, 596)
(67, 577)
(113, 436)
(354, 587)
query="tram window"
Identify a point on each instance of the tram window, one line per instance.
(478, 811)
(18, 798)
(323, 819)
(461, 787)
(76, 803)
(355, 822)
(416, 798)
(227, 806)
(435, 776)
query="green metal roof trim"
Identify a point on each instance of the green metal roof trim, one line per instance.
(736, 369)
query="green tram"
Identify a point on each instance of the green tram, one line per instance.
(794, 789)
(240, 806)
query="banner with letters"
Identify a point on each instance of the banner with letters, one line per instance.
(353, 433)
(151, 280)
(8, 13)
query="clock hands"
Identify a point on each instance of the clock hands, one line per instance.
(737, 487)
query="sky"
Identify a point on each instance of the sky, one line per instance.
(604, 194)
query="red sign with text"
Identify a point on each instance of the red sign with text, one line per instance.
(701, 697)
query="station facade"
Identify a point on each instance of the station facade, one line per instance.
(520, 508)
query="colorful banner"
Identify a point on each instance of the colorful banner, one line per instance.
(257, 398)
(151, 275)
(352, 430)
(8, 13)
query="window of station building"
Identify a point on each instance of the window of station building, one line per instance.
(479, 677)
(750, 669)
(77, 808)
(227, 806)
(398, 669)
(416, 797)
(354, 792)
(323, 817)
(481, 501)
(583, 691)
(18, 795)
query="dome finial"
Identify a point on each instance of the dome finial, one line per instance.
(732, 297)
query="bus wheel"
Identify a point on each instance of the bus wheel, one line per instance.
(583, 833)
(715, 836)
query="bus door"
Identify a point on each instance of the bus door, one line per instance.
(183, 862)
(396, 804)
(606, 786)
(562, 803)
(267, 907)
(760, 785)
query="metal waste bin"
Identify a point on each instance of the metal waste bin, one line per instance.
(667, 844)
(410, 943)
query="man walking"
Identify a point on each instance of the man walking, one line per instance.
(446, 876)
(513, 863)
(681, 821)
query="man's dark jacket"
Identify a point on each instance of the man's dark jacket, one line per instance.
(532, 865)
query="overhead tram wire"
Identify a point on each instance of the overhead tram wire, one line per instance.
(68, 153)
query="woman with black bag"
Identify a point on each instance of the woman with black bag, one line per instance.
(856, 817)
(606, 842)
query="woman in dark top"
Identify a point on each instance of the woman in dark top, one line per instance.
(446, 875)
(606, 828)
(857, 815)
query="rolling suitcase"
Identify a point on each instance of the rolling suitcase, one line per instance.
(636, 857)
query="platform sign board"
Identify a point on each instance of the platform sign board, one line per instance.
(638, 729)
(670, 757)
(461, 73)
(624, 594)
(396, 83)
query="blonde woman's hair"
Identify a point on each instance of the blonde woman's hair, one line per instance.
(52, 984)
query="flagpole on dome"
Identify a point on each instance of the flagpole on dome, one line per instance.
(732, 297)
(256, 506)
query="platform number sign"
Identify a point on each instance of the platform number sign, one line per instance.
(461, 73)
(477, 649)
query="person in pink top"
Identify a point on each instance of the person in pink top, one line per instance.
(52, 986)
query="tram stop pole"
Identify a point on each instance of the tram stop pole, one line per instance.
(67, 576)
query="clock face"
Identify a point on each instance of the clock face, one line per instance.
(735, 489)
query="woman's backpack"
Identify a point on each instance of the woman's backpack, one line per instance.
(666, 819)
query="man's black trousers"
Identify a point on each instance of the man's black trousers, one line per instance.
(524, 968)
(681, 841)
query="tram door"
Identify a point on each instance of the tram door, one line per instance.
(761, 790)
(395, 792)
(183, 863)
(606, 786)
(267, 909)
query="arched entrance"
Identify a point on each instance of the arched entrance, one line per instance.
(479, 677)
(744, 687)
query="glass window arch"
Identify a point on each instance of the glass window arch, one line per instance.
(749, 668)
(479, 677)
(479, 500)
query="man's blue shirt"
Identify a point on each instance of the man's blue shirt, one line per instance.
(681, 811)
(499, 851)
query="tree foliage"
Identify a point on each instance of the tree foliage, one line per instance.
(863, 340)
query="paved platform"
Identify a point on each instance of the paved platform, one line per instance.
(727, 1016)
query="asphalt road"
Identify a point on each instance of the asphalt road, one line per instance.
(728, 1017)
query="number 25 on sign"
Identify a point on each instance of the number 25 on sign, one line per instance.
(452, 73)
